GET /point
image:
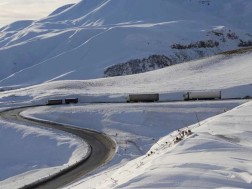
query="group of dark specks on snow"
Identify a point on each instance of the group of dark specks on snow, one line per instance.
(179, 137)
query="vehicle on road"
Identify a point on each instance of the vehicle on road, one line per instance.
(202, 95)
(54, 102)
(142, 98)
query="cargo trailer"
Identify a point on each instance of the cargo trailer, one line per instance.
(202, 95)
(71, 100)
(143, 97)
(54, 102)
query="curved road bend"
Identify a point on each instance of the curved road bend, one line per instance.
(102, 150)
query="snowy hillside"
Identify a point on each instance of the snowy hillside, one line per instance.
(141, 123)
(82, 41)
(216, 155)
(74, 51)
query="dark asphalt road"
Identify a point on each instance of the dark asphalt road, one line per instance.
(102, 150)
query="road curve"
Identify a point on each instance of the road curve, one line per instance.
(102, 150)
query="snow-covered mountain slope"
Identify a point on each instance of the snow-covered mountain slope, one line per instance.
(82, 40)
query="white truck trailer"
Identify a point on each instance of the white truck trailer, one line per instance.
(202, 95)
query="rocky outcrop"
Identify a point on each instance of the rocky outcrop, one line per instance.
(181, 52)
(197, 45)
(245, 43)
(136, 66)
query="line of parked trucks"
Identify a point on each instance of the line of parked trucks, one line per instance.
(150, 97)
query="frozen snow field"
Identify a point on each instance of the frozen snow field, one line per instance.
(216, 155)
(136, 127)
(65, 55)
(29, 154)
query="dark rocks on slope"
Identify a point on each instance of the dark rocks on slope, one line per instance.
(136, 66)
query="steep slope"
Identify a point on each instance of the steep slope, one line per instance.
(214, 156)
(82, 41)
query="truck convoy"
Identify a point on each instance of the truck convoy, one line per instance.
(150, 97)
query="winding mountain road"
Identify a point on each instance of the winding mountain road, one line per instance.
(102, 149)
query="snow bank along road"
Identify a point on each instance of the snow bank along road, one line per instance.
(102, 149)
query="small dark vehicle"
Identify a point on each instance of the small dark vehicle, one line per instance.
(54, 102)
(71, 100)
(202, 95)
(142, 98)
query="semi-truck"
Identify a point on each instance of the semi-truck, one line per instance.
(142, 98)
(71, 100)
(54, 102)
(202, 95)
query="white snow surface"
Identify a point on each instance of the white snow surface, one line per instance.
(231, 74)
(216, 155)
(81, 41)
(136, 127)
(29, 154)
